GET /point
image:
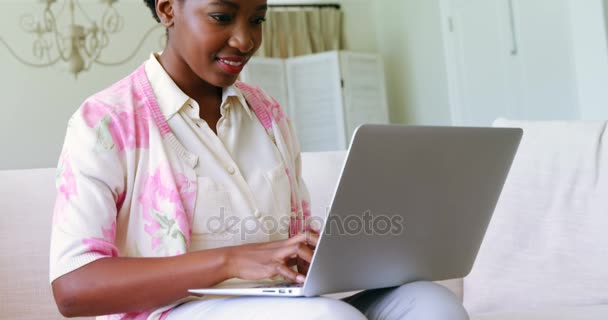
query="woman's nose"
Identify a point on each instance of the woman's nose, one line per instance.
(242, 40)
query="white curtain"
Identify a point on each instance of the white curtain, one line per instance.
(291, 32)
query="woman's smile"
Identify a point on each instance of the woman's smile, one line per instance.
(232, 65)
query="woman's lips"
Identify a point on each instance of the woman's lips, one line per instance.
(232, 65)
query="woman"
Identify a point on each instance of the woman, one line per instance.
(150, 165)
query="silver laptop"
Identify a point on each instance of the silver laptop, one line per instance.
(412, 203)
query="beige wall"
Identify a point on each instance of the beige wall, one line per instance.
(410, 40)
(36, 103)
(360, 25)
(407, 33)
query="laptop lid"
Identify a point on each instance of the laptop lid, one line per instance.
(412, 203)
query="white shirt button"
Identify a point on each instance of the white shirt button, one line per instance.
(257, 214)
(231, 170)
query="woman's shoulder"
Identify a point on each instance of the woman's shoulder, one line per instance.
(124, 95)
(126, 98)
(121, 110)
(254, 92)
(262, 103)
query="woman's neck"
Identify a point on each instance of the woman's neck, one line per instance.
(207, 96)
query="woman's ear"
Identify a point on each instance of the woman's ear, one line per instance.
(164, 10)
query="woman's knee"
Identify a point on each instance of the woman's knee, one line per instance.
(327, 308)
(419, 300)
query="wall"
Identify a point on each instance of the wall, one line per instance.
(38, 102)
(360, 25)
(409, 34)
(590, 39)
(410, 40)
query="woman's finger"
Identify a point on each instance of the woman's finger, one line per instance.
(307, 237)
(305, 253)
(312, 238)
(297, 250)
(303, 266)
(289, 274)
(292, 262)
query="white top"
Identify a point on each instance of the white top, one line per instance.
(243, 190)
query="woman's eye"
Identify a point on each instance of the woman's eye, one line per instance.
(223, 18)
(259, 20)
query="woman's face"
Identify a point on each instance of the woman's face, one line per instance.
(216, 38)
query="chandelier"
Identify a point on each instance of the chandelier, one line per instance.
(77, 45)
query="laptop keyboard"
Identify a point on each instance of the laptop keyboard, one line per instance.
(281, 285)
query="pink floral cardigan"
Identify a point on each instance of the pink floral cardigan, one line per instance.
(127, 187)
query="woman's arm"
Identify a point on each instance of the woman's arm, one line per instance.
(121, 285)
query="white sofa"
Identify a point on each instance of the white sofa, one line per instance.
(502, 285)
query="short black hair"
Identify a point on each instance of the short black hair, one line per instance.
(150, 4)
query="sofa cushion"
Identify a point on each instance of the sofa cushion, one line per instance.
(547, 243)
(26, 198)
(599, 312)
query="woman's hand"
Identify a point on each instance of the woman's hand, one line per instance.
(302, 264)
(265, 260)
